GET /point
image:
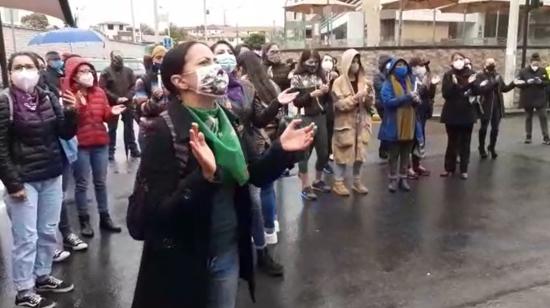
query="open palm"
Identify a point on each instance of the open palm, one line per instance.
(202, 152)
(285, 97)
(117, 109)
(297, 139)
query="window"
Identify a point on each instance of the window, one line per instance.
(120, 27)
(110, 27)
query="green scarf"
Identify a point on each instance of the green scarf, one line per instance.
(223, 141)
(406, 116)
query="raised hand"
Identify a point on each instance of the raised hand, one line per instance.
(69, 99)
(472, 78)
(286, 97)
(118, 109)
(202, 152)
(297, 139)
(455, 80)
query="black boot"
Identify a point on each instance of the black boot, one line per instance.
(492, 144)
(494, 154)
(482, 153)
(481, 148)
(107, 224)
(267, 265)
(85, 227)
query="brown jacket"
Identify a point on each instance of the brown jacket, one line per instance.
(352, 121)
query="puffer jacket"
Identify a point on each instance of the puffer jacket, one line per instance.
(29, 143)
(352, 120)
(91, 116)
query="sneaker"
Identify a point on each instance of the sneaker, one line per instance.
(359, 188)
(271, 238)
(308, 194)
(60, 255)
(74, 242)
(34, 301)
(54, 285)
(546, 142)
(277, 226)
(404, 184)
(392, 186)
(268, 265)
(328, 169)
(340, 189)
(321, 186)
(464, 176)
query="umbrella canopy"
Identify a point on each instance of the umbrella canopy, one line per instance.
(477, 6)
(318, 7)
(409, 5)
(67, 35)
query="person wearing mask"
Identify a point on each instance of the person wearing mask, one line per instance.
(225, 56)
(400, 126)
(379, 79)
(532, 82)
(197, 237)
(276, 68)
(31, 163)
(426, 86)
(353, 100)
(118, 82)
(310, 80)
(93, 108)
(491, 86)
(458, 114)
(54, 71)
(329, 68)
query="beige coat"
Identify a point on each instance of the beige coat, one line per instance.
(352, 121)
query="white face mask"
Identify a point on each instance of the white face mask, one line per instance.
(535, 67)
(86, 80)
(25, 80)
(420, 71)
(458, 64)
(327, 65)
(355, 68)
(212, 80)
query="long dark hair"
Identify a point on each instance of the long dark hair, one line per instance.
(306, 54)
(265, 50)
(223, 42)
(251, 64)
(173, 64)
(240, 47)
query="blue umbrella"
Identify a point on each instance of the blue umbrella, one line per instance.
(67, 35)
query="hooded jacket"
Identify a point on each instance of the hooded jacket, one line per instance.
(389, 129)
(91, 131)
(352, 121)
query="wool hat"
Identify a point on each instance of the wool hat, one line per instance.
(535, 57)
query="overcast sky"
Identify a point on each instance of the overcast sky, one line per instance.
(182, 12)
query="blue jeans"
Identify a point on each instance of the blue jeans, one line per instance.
(258, 234)
(34, 229)
(269, 207)
(96, 160)
(224, 279)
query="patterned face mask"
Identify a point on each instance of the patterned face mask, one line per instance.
(212, 80)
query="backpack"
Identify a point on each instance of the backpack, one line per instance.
(138, 206)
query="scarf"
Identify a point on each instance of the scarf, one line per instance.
(224, 142)
(29, 100)
(235, 91)
(406, 117)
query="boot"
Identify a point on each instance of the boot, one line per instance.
(392, 187)
(107, 224)
(482, 152)
(359, 188)
(404, 184)
(340, 189)
(85, 227)
(494, 154)
(492, 144)
(267, 265)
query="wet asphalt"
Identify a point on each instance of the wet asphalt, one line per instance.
(449, 243)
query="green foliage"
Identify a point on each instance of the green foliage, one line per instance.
(35, 21)
(255, 40)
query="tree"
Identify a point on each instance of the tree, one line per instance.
(178, 34)
(255, 40)
(35, 21)
(146, 29)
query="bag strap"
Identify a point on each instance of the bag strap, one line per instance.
(181, 150)
(6, 92)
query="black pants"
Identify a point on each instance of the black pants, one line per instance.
(129, 136)
(330, 132)
(319, 143)
(495, 123)
(543, 119)
(459, 138)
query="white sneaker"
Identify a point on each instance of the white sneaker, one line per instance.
(60, 255)
(271, 238)
(277, 226)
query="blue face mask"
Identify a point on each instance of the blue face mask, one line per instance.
(401, 71)
(57, 65)
(227, 61)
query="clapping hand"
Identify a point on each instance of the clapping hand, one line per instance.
(202, 152)
(69, 99)
(287, 97)
(531, 81)
(455, 80)
(297, 139)
(324, 88)
(118, 109)
(484, 83)
(519, 82)
(538, 80)
(472, 78)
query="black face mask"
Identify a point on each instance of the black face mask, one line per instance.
(311, 68)
(491, 68)
(117, 62)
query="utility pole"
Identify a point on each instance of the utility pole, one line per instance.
(156, 12)
(205, 21)
(526, 10)
(133, 21)
(13, 30)
(511, 48)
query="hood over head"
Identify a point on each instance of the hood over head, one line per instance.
(71, 67)
(393, 62)
(382, 61)
(347, 60)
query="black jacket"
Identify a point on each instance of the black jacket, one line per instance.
(173, 270)
(533, 95)
(118, 83)
(53, 80)
(458, 109)
(29, 145)
(280, 74)
(490, 95)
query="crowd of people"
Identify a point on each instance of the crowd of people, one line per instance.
(218, 126)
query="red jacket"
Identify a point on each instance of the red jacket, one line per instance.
(91, 130)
